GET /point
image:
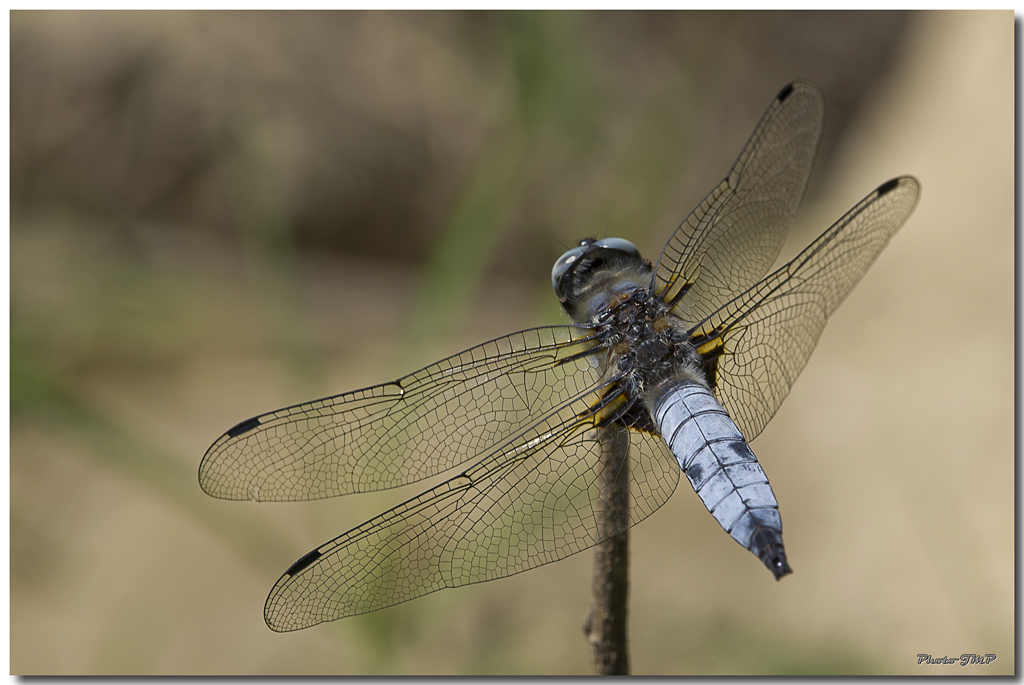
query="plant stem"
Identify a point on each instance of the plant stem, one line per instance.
(605, 627)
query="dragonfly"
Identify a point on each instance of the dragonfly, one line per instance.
(687, 357)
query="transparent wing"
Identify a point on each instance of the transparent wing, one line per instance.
(756, 345)
(529, 502)
(397, 433)
(732, 238)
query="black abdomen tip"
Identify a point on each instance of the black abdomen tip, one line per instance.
(767, 545)
(775, 559)
(785, 93)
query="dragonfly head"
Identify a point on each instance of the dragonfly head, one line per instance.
(593, 268)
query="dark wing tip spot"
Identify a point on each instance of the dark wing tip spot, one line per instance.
(888, 186)
(244, 427)
(303, 563)
(785, 93)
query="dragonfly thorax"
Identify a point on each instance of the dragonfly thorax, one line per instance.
(647, 345)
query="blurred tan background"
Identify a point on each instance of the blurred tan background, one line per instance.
(218, 214)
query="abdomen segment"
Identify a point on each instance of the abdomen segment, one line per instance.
(722, 469)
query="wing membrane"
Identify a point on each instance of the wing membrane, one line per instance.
(532, 501)
(732, 238)
(401, 432)
(765, 335)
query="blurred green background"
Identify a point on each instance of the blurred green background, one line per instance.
(218, 214)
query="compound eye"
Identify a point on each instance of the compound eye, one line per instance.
(565, 264)
(620, 244)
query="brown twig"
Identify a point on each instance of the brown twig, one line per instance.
(605, 626)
